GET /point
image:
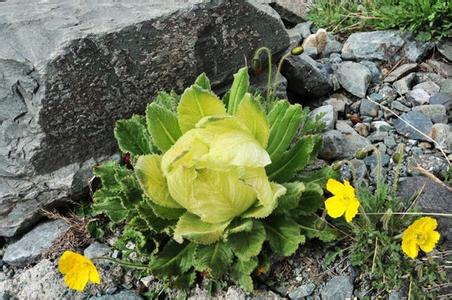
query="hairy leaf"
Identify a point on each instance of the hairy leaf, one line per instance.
(192, 228)
(239, 87)
(163, 126)
(311, 200)
(241, 273)
(252, 115)
(289, 201)
(203, 81)
(174, 259)
(132, 136)
(215, 258)
(153, 222)
(248, 244)
(195, 104)
(283, 235)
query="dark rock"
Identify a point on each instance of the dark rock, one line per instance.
(416, 51)
(260, 82)
(371, 161)
(354, 77)
(290, 11)
(35, 242)
(82, 67)
(368, 108)
(400, 71)
(434, 198)
(402, 86)
(338, 288)
(419, 121)
(306, 77)
(399, 106)
(375, 45)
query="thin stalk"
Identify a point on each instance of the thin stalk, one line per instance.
(375, 255)
(399, 155)
(278, 71)
(413, 213)
(269, 58)
(122, 263)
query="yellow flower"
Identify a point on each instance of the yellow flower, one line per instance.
(420, 234)
(77, 270)
(344, 200)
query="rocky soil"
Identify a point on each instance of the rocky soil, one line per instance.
(363, 84)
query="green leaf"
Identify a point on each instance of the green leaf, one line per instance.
(168, 101)
(110, 205)
(254, 118)
(163, 126)
(215, 258)
(166, 212)
(283, 235)
(311, 200)
(203, 81)
(277, 113)
(153, 222)
(293, 160)
(183, 281)
(248, 244)
(106, 172)
(241, 273)
(130, 235)
(266, 207)
(152, 181)
(133, 137)
(319, 176)
(289, 201)
(192, 228)
(195, 104)
(283, 130)
(238, 89)
(240, 226)
(174, 259)
(131, 192)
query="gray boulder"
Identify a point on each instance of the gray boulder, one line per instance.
(329, 115)
(69, 70)
(34, 243)
(306, 77)
(354, 77)
(418, 120)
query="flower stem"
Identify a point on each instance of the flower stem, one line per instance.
(122, 263)
(278, 71)
(269, 57)
(412, 213)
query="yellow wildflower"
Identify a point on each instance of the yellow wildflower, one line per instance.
(343, 200)
(420, 234)
(77, 270)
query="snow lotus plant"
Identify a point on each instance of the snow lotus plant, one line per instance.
(212, 183)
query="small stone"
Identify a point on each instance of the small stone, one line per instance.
(354, 77)
(429, 86)
(96, 249)
(442, 134)
(435, 165)
(399, 106)
(417, 119)
(378, 136)
(419, 96)
(311, 52)
(147, 280)
(425, 145)
(436, 112)
(35, 242)
(390, 141)
(332, 46)
(375, 73)
(446, 86)
(338, 288)
(371, 161)
(380, 126)
(294, 37)
(368, 108)
(440, 67)
(338, 101)
(302, 291)
(442, 98)
(445, 48)
(362, 129)
(403, 86)
(400, 71)
(304, 29)
(416, 51)
(123, 295)
(330, 115)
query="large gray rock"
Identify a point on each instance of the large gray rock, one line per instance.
(34, 243)
(306, 77)
(69, 70)
(354, 77)
(418, 120)
(374, 45)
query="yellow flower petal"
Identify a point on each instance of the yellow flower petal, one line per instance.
(335, 187)
(429, 244)
(351, 210)
(348, 190)
(427, 223)
(78, 270)
(410, 247)
(335, 206)
(77, 279)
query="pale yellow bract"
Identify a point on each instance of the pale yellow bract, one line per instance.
(77, 270)
(343, 200)
(420, 234)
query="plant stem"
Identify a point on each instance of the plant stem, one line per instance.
(375, 255)
(278, 71)
(269, 58)
(122, 263)
(413, 213)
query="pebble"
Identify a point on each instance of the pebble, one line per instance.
(362, 129)
(442, 98)
(436, 112)
(338, 288)
(390, 141)
(375, 73)
(380, 126)
(419, 96)
(429, 86)
(354, 78)
(329, 117)
(368, 108)
(302, 291)
(400, 71)
(399, 106)
(442, 134)
(416, 119)
(403, 86)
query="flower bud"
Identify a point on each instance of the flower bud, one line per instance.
(297, 50)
